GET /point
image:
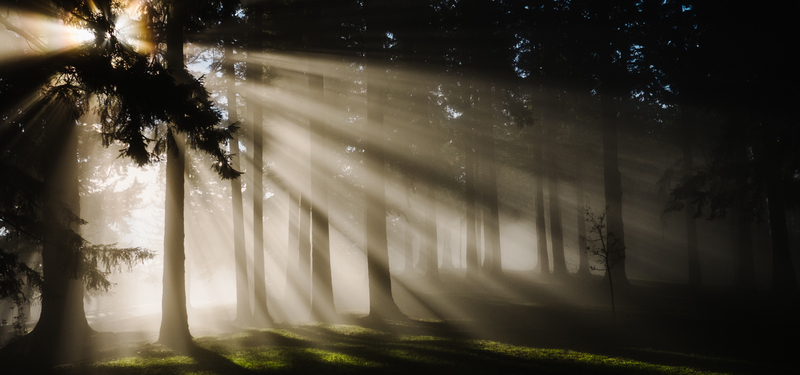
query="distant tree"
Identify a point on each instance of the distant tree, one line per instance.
(543, 259)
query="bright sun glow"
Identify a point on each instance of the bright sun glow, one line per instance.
(32, 33)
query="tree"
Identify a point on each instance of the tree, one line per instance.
(609, 253)
(243, 313)
(255, 109)
(131, 92)
(543, 261)
(381, 301)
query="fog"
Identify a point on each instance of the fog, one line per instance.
(478, 171)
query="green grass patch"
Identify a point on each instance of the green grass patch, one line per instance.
(341, 349)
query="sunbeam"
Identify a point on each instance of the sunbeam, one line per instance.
(422, 186)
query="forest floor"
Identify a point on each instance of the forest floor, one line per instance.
(511, 326)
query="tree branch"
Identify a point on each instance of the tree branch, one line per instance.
(30, 38)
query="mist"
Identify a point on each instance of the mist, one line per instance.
(571, 176)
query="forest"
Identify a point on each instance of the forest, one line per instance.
(374, 186)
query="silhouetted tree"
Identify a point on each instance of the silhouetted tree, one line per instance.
(609, 253)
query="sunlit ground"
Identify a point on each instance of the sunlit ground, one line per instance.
(395, 348)
(352, 349)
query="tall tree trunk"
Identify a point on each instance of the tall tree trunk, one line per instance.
(745, 271)
(174, 331)
(583, 255)
(447, 249)
(292, 245)
(469, 201)
(381, 302)
(480, 228)
(408, 228)
(543, 260)
(322, 300)
(408, 245)
(612, 181)
(304, 258)
(784, 280)
(491, 215)
(243, 313)
(431, 236)
(62, 330)
(693, 252)
(556, 231)
(256, 113)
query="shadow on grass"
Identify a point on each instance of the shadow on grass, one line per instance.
(385, 348)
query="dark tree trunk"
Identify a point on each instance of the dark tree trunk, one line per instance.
(408, 245)
(469, 202)
(304, 256)
(61, 333)
(381, 302)
(480, 230)
(256, 113)
(408, 229)
(612, 181)
(543, 260)
(556, 231)
(322, 300)
(243, 313)
(174, 330)
(745, 271)
(431, 237)
(491, 215)
(693, 252)
(583, 256)
(291, 291)
(447, 248)
(784, 281)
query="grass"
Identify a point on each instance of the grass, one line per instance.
(349, 349)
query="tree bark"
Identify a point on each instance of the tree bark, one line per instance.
(381, 302)
(408, 228)
(62, 330)
(408, 245)
(612, 181)
(322, 301)
(431, 237)
(469, 201)
(556, 231)
(543, 260)
(583, 256)
(174, 331)
(491, 216)
(243, 313)
(256, 113)
(304, 252)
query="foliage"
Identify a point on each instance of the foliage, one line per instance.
(101, 260)
(737, 174)
(20, 327)
(13, 275)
